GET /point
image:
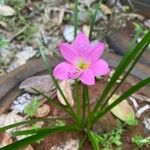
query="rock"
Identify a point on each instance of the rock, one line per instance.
(68, 33)
(22, 57)
(119, 41)
(142, 110)
(142, 6)
(43, 83)
(146, 122)
(147, 23)
(123, 110)
(67, 91)
(5, 139)
(43, 111)
(134, 102)
(6, 11)
(10, 118)
(20, 103)
(106, 10)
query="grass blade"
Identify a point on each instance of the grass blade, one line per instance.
(94, 140)
(41, 134)
(130, 56)
(75, 21)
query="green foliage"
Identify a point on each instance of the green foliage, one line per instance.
(31, 108)
(28, 33)
(3, 42)
(108, 139)
(141, 141)
(131, 120)
(59, 123)
(18, 5)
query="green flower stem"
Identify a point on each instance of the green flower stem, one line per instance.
(71, 112)
(85, 104)
(78, 104)
(75, 17)
(92, 21)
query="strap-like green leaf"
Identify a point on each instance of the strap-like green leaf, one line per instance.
(39, 135)
(129, 58)
(18, 124)
(122, 97)
(94, 140)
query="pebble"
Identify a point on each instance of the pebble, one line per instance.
(147, 23)
(20, 103)
(142, 110)
(68, 33)
(22, 57)
(135, 104)
(146, 122)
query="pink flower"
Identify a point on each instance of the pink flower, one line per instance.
(81, 61)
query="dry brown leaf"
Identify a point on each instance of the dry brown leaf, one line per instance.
(123, 110)
(42, 83)
(106, 10)
(6, 10)
(5, 139)
(66, 89)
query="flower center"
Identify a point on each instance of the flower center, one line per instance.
(82, 65)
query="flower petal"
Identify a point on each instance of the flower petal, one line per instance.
(100, 68)
(96, 51)
(68, 52)
(87, 77)
(62, 70)
(81, 44)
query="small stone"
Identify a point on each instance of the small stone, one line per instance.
(146, 122)
(147, 23)
(68, 33)
(20, 103)
(142, 110)
(22, 57)
(43, 83)
(106, 10)
(6, 10)
(43, 111)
